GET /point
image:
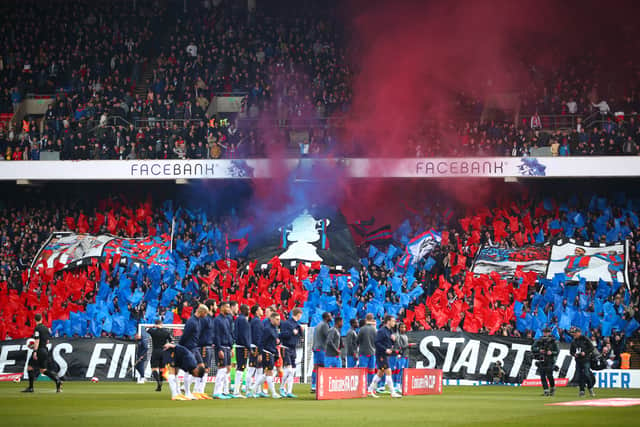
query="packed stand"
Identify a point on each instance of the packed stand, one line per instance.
(89, 56)
(110, 297)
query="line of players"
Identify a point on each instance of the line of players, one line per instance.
(207, 337)
(382, 352)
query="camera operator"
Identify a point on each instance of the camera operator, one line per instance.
(496, 373)
(581, 349)
(545, 350)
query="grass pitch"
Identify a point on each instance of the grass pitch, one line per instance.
(128, 404)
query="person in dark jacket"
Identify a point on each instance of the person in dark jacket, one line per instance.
(269, 347)
(581, 349)
(243, 346)
(223, 340)
(384, 348)
(255, 359)
(546, 350)
(290, 334)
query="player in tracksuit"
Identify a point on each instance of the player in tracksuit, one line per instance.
(351, 344)
(290, 333)
(269, 352)
(367, 347)
(319, 344)
(206, 349)
(243, 347)
(223, 341)
(255, 366)
(384, 348)
(332, 347)
(190, 339)
(178, 357)
(400, 352)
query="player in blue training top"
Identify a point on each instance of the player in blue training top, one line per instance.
(191, 340)
(255, 371)
(269, 347)
(223, 340)
(384, 347)
(177, 357)
(290, 333)
(243, 347)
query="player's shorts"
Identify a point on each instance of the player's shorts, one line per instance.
(208, 356)
(189, 362)
(393, 360)
(318, 357)
(157, 356)
(268, 359)
(368, 362)
(242, 358)
(332, 362)
(289, 357)
(226, 359)
(382, 361)
(42, 359)
(253, 358)
(197, 354)
(352, 362)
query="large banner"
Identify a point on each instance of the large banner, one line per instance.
(461, 355)
(65, 249)
(75, 359)
(423, 244)
(591, 261)
(505, 261)
(314, 235)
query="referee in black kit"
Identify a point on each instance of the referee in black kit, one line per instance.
(159, 337)
(40, 356)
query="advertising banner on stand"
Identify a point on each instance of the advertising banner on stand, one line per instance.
(341, 383)
(75, 359)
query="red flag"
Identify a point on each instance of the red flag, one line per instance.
(499, 231)
(209, 278)
(445, 238)
(513, 224)
(71, 223)
(408, 319)
(99, 222)
(112, 223)
(464, 223)
(83, 224)
(476, 223)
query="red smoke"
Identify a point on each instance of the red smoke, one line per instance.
(414, 59)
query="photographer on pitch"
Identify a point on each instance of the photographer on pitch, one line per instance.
(581, 349)
(545, 350)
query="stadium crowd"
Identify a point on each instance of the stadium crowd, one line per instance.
(290, 68)
(110, 296)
